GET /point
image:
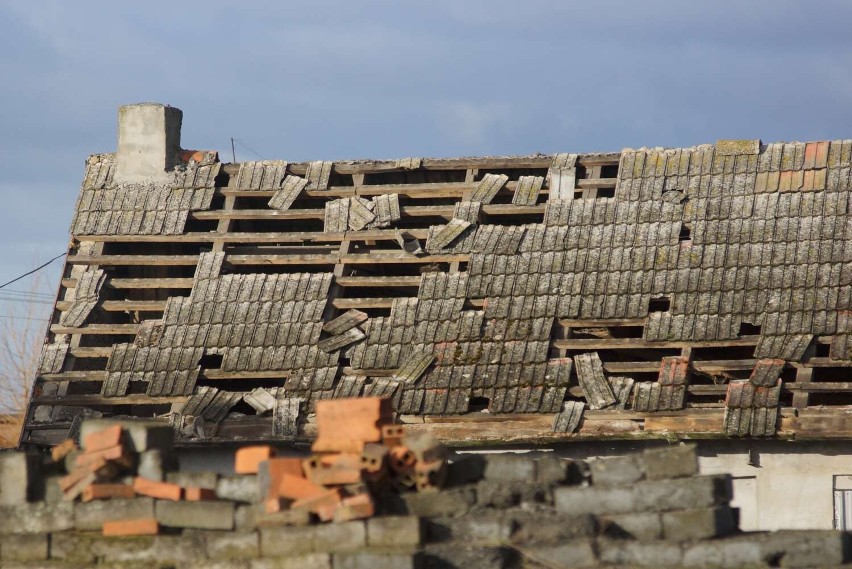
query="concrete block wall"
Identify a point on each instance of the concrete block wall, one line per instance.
(650, 509)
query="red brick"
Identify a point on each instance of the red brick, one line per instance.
(392, 435)
(78, 474)
(145, 526)
(345, 425)
(193, 494)
(116, 453)
(248, 459)
(103, 439)
(373, 457)
(156, 489)
(105, 491)
(278, 467)
(401, 458)
(355, 508)
(323, 504)
(63, 449)
(297, 487)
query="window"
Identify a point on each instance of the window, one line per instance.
(843, 502)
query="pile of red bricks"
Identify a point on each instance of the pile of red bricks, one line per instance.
(107, 467)
(357, 452)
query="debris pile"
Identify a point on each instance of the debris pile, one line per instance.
(357, 453)
(371, 494)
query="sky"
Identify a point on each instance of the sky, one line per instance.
(339, 79)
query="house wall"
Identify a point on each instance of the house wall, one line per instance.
(777, 484)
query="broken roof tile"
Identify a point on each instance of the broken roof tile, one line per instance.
(488, 187)
(595, 387)
(527, 190)
(284, 196)
(318, 174)
(569, 418)
(442, 236)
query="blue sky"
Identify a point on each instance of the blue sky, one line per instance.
(336, 79)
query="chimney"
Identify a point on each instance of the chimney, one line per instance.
(148, 142)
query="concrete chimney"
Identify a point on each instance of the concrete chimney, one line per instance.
(148, 142)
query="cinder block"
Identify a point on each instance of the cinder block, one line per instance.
(36, 518)
(328, 538)
(509, 467)
(376, 560)
(735, 552)
(141, 435)
(201, 479)
(151, 465)
(705, 523)
(595, 500)
(245, 516)
(574, 553)
(394, 531)
(465, 468)
(508, 494)
(198, 515)
(20, 478)
(670, 462)
(31, 547)
(309, 561)
(176, 550)
(90, 516)
(617, 470)
(810, 548)
(243, 488)
(73, 548)
(634, 553)
(233, 545)
(645, 526)
(554, 470)
(52, 491)
(451, 555)
(451, 502)
(683, 493)
(479, 528)
(542, 527)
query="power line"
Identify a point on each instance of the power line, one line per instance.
(28, 273)
(243, 144)
(27, 293)
(45, 319)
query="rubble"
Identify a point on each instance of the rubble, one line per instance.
(374, 494)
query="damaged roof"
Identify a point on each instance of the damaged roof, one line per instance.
(701, 290)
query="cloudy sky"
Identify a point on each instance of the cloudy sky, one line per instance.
(340, 79)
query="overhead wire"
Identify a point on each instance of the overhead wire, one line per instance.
(28, 273)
